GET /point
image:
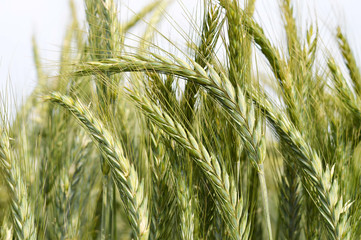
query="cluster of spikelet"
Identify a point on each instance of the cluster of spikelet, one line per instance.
(137, 142)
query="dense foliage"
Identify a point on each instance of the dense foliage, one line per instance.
(143, 142)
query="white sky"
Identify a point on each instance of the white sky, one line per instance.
(47, 21)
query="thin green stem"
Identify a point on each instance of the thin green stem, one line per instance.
(262, 180)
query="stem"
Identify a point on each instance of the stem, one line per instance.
(106, 222)
(262, 181)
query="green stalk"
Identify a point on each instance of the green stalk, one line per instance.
(263, 185)
(107, 208)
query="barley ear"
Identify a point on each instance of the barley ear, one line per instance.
(123, 172)
(21, 215)
(350, 60)
(231, 208)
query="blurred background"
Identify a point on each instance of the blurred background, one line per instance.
(20, 20)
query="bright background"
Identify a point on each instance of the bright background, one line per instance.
(47, 21)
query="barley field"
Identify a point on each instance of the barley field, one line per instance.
(144, 140)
